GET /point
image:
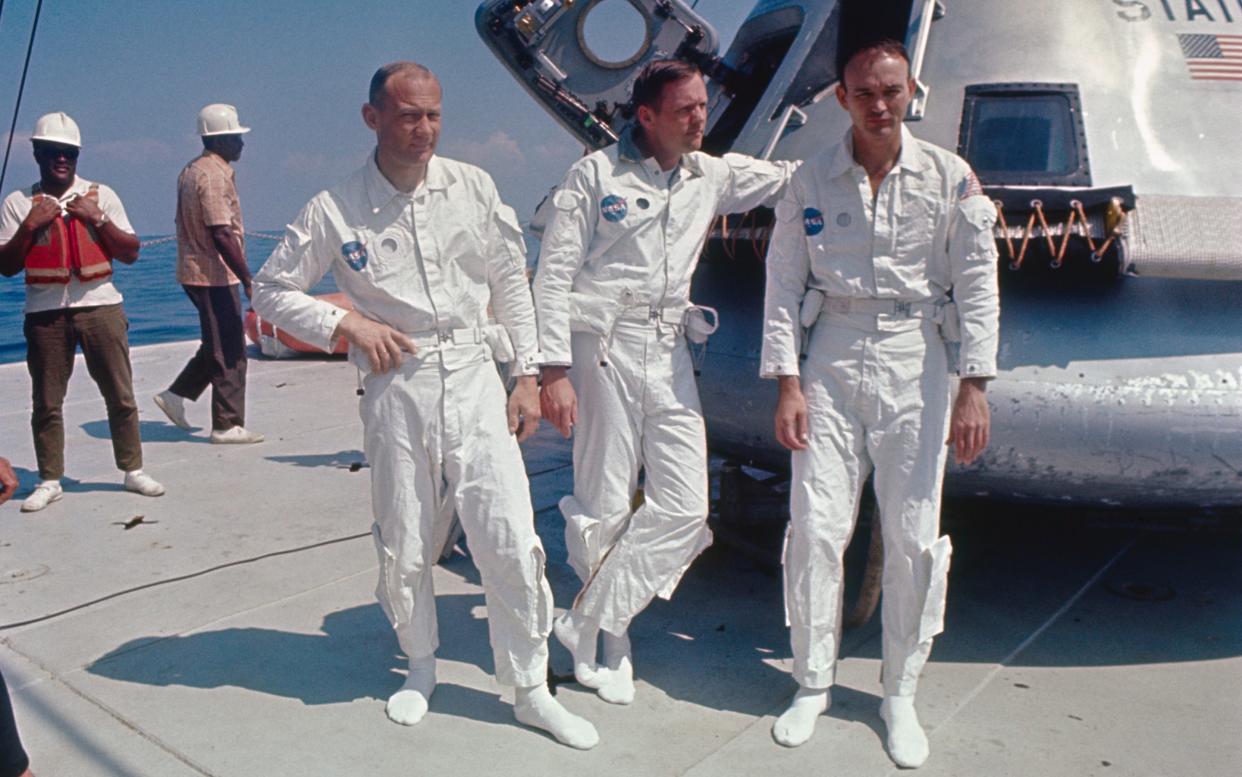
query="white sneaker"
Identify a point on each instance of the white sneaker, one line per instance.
(235, 435)
(141, 483)
(173, 407)
(44, 494)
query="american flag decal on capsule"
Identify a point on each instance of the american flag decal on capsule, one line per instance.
(1212, 57)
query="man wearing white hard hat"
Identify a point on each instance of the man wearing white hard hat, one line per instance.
(211, 265)
(64, 232)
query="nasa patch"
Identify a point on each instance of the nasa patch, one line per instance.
(813, 220)
(355, 254)
(613, 208)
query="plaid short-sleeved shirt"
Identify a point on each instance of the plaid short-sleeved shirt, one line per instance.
(206, 198)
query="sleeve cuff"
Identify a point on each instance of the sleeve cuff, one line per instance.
(555, 358)
(332, 319)
(971, 369)
(528, 364)
(777, 370)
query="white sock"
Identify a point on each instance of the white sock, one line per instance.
(409, 704)
(796, 724)
(907, 744)
(537, 708)
(618, 682)
(578, 633)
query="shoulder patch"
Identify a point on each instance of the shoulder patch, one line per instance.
(970, 186)
(980, 212)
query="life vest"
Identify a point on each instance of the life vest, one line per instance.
(66, 247)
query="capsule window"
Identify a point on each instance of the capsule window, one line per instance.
(1025, 134)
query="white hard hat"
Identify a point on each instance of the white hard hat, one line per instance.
(219, 119)
(57, 128)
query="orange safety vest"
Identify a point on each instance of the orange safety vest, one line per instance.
(66, 246)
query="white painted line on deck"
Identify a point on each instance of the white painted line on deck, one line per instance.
(84, 739)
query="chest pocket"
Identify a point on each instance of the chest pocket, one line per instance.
(846, 232)
(465, 239)
(917, 222)
(379, 250)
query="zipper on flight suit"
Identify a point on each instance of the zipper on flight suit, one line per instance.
(439, 486)
(668, 207)
(422, 269)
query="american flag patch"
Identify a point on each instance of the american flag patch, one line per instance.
(1213, 57)
(969, 187)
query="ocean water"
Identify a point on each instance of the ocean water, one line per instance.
(158, 310)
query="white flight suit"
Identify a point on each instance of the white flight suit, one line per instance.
(612, 287)
(428, 263)
(876, 381)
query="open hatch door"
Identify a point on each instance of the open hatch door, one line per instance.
(564, 53)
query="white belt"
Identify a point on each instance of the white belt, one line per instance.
(673, 315)
(443, 338)
(884, 307)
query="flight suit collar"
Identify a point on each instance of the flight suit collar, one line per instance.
(628, 151)
(911, 159)
(380, 190)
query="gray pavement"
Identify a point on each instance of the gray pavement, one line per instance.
(1074, 644)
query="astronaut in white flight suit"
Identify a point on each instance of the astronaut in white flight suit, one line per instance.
(882, 244)
(613, 298)
(421, 245)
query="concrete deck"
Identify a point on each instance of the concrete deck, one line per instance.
(1073, 645)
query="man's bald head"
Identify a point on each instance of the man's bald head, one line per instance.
(382, 76)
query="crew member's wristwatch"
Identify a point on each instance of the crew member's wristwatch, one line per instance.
(102, 220)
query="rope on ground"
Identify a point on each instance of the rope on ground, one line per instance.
(178, 579)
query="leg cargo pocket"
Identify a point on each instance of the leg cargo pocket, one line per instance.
(582, 537)
(539, 599)
(396, 600)
(936, 561)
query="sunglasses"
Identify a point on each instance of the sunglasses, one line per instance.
(56, 152)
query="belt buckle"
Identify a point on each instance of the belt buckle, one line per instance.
(901, 308)
(444, 335)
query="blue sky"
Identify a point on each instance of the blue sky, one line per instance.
(134, 74)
